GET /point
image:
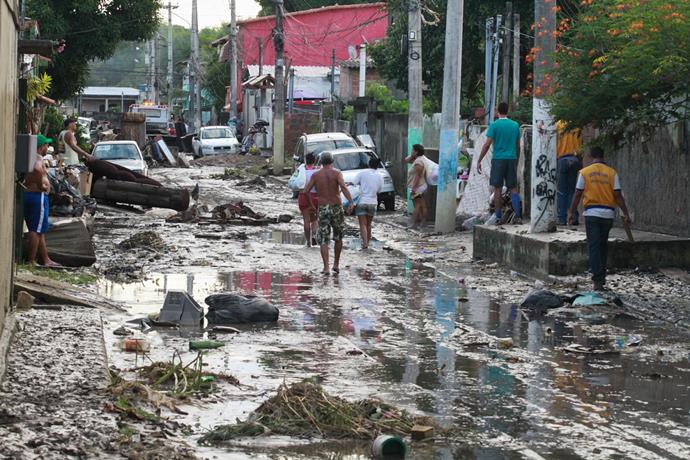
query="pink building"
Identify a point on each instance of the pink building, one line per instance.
(311, 35)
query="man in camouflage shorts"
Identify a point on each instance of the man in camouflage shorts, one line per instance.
(329, 183)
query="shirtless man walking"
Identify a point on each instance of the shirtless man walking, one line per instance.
(36, 206)
(329, 183)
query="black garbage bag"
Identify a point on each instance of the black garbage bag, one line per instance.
(541, 300)
(238, 309)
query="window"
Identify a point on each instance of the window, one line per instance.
(116, 152)
(217, 133)
(151, 113)
(351, 160)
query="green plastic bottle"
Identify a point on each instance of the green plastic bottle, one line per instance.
(205, 344)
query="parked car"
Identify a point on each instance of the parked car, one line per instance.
(317, 143)
(215, 140)
(123, 153)
(352, 161)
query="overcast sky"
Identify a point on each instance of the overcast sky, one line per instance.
(211, 12)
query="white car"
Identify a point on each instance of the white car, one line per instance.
(215, 140)
(123, 153)
(352, 161)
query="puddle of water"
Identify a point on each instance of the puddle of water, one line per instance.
(399, 332)
(351, 241)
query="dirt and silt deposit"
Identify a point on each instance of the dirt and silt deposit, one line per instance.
(412, 323)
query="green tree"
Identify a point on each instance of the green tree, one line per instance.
(268, 7)
(623, 67)
(390, 59)
(215, 75)
(92, 30)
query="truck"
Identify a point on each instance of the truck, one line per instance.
(157, 118)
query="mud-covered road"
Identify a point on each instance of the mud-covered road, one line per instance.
(411, 321)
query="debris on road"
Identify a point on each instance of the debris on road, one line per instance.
(238, 309)
(179, 308)
(420, 432)
(224, 329)
(180, 379)
(24, 300)
(582, 349)
(123, 331)
(205, 344)
(143, 240)
(589, 299)
(388, 447)
(239, 214)
(541, 300)
(133, 345)
(256, 181)
(305, 409)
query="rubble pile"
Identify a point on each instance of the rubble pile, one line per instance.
(305, 409)
(145, 240)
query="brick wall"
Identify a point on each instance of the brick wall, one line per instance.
(297, 124)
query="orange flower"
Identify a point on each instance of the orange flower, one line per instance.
(614, 32)
(637, 25)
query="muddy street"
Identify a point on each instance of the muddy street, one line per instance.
(411, 321)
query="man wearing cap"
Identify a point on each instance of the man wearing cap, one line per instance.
(36, 206)
(69, 150)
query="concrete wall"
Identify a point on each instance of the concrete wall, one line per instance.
(656, 182)
(8, 127)
(389, 132)
(297, 124)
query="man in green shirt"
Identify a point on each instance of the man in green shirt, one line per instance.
(504, 134)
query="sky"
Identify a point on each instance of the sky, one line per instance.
(211, 12)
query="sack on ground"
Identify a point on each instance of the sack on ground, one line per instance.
(298, 179)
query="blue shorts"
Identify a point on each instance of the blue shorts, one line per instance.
(503, 172)
(36, 211)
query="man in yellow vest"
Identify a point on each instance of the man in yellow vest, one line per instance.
(599, 187)
(568, 145)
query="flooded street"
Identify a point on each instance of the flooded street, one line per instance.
(397, 326)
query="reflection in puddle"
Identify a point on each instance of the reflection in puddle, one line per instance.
(399, 332)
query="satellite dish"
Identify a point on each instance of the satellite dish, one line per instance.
(352, 52)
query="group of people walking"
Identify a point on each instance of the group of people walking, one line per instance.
(597, 185)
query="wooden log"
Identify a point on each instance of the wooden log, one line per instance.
(141, 194)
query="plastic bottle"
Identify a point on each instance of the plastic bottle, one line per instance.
(135, 345)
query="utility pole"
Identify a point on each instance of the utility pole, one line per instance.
(170, 52)
(262, 92)
(156, 69)
(507, 35)
(291, 91)
(450, 120)
(494, 77)
(543, 202)
(233, 60)
(279, 114)
(516, 59)
(335, 119)
(488, 58)
(362, 70)
(194, 86)
(415, 115)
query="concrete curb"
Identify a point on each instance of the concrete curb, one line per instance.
(6, 341)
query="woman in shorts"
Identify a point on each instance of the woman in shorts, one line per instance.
(370, 184)
(309, 215)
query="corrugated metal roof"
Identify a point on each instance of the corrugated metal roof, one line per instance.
(300, 71)
(114, 91)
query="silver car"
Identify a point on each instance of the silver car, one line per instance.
(215, 140)
(123, 153)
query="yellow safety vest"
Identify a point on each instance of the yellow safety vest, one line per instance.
(599, 186)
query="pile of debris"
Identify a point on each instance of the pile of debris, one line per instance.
(144, 240)
(239, 214)
(305, 409)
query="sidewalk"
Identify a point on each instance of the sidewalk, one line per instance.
(51, 400)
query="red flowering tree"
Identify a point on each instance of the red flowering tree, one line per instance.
(623, 66)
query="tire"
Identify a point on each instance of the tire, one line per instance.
(389, 203)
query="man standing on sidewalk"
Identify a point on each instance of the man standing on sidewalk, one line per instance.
(36, 206)
(504, 134)
(567, 148)
(329, 183)
(598, 183)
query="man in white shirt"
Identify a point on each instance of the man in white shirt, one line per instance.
(370, 184)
